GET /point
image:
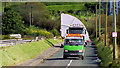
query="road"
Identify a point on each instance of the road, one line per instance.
(12, 42)
(57, 59)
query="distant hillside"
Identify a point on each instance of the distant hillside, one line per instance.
(61, 3)
(54, 6)
(9, 4)
(67, 7)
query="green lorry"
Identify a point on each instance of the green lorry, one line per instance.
(75, 36)
(74, 47)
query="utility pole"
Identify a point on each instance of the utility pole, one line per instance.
(31, 16)
(0, 23)
(96, 22)
(99, 18)
(5, 6)
(114, 30)
(106, 23)
(87, 18)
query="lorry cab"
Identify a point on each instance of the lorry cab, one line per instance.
(74, 47)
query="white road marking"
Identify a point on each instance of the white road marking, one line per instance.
(69, 63)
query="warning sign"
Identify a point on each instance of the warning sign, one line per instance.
(114, 34)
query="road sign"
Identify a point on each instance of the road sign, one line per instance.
(114, 34)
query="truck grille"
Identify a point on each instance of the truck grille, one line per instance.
(73, 51)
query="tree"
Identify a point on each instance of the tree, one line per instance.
(12, 23)
(40, 16)
(91, 6)
(38, 10)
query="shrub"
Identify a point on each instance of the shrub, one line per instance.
(116, 64)
(105, 54)
(100, 47)
(35, 31)
(55, 32)
(5, 37)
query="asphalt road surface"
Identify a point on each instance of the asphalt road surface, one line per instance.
(12, 42)
(58, 60)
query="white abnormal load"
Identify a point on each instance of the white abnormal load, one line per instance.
(68, 21)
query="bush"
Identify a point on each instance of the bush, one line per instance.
(100, 47)
(55, 32)
(105, 54)
(5, 37)
(35, 31)
(25, 37)
(116, 64)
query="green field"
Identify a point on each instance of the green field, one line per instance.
(54, 7)
(1, 7)
(22, 52)
(63, 7)
(67, 7)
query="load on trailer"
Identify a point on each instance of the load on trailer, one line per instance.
(75, 35)
(70, 24)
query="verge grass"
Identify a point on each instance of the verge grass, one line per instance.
(55, 41)
(21, 52)
(0, 58)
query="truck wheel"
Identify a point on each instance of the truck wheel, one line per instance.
(79, 57)
(82, 57)
(61, 46)
(85, 45)
(65, 57)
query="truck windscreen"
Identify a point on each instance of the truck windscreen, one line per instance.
(74, 41)
(76, 30)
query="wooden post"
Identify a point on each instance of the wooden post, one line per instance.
(96, 22)
(106, 23)
(114, 30)
(99, 18)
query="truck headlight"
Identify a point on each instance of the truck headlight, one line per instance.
(65, 50)
(80, 50)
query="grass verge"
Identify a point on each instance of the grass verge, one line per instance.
(0, 58)
(22, 52)
(104, 53)
(53, 42)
